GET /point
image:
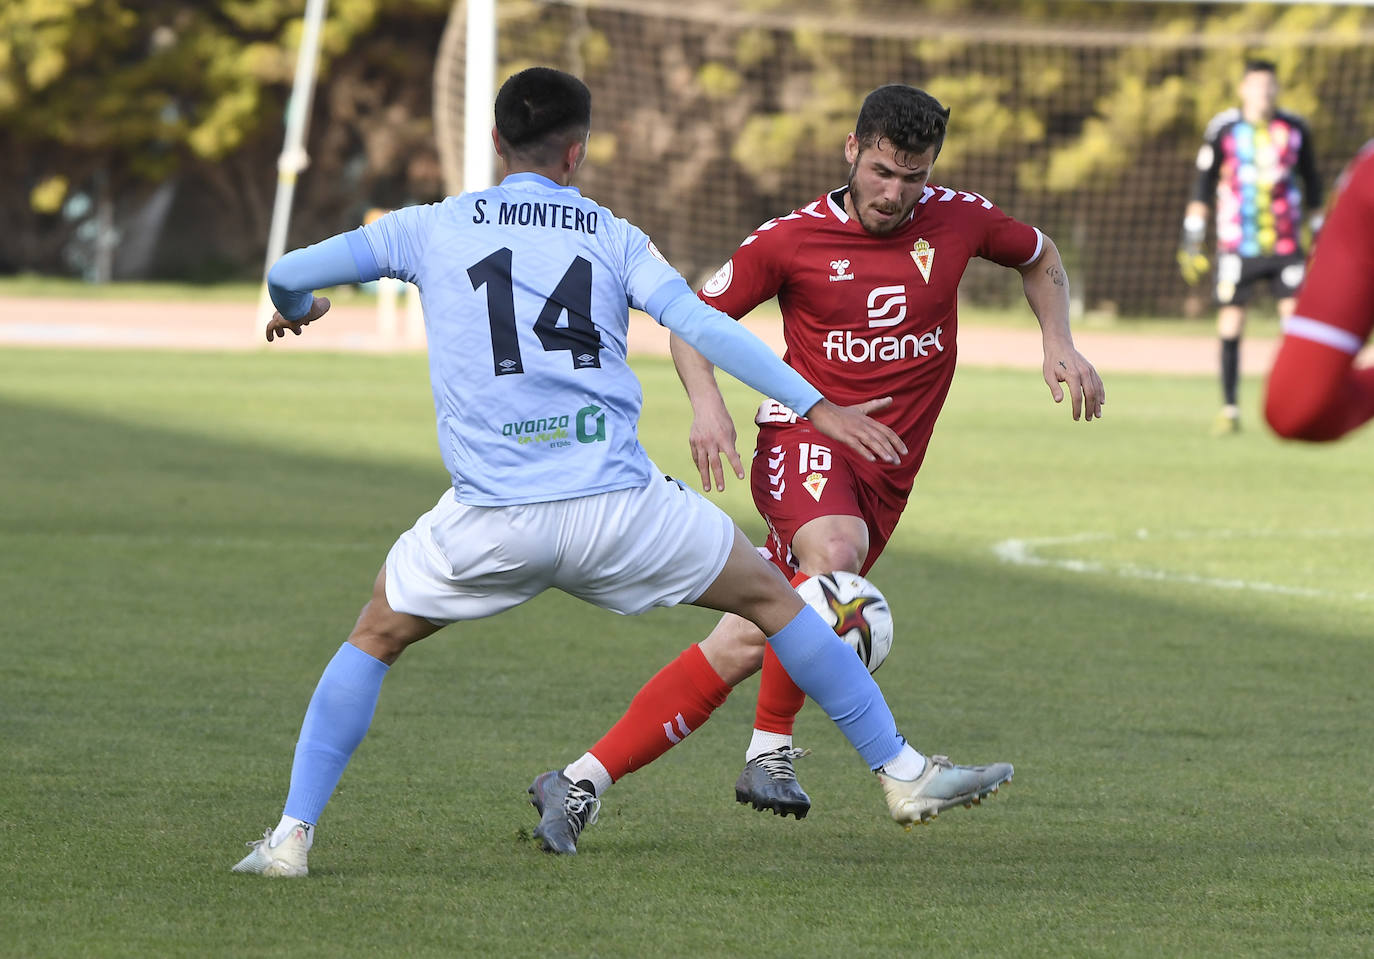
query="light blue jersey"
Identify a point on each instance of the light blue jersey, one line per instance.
(526, 289)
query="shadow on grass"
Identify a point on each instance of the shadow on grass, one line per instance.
(172, 597)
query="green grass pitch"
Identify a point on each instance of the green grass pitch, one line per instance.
(1179, 667)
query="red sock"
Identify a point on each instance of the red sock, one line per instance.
(676, 701)
(780, 699)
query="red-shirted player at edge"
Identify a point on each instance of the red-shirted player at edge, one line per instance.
(867, 279)
(1315, 390)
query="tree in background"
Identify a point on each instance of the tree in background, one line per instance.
(121, 112)
(1082, 117)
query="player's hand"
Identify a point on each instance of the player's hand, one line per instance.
(278, 325)
(853, 426)
(713, 436)
(1064, 364)
(1193, 264)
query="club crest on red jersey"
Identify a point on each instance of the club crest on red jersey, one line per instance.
(815, 485)
(924, 255)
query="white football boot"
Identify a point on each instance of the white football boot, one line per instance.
(285, 860)
(941, 785)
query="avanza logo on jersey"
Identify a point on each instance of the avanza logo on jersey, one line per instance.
(844, 346)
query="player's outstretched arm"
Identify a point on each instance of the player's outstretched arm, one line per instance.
(712, 435)
(1047, 291)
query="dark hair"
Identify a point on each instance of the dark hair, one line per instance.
(911, 120)
(540, 111)
(1257, 65)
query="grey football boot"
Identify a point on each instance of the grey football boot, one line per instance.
(565, 809)
(770, 782)
(941, 785)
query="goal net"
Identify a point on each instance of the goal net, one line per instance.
(1082, 118)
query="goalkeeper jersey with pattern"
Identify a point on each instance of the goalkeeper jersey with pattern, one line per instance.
(868, 315)
(1258, 177)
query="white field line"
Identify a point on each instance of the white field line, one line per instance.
(1024, 552)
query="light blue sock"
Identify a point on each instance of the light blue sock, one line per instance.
(828, 671)
(335, 723)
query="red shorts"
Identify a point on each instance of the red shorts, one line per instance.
(798, 475)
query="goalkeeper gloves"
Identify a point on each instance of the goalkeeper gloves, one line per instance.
(1192, 262)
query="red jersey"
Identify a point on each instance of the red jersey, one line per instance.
(867, 316)
(1338, 291)
(1315, 391)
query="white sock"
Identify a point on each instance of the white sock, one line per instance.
(284, 828)
(589, 768)
(908, 765)
(766, 742)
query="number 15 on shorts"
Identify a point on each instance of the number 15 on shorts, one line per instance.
(814, 462)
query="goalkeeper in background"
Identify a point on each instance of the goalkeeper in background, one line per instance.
(1253, 159)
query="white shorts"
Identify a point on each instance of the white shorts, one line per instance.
(626, 551)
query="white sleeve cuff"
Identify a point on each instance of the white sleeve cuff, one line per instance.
(1306, 328)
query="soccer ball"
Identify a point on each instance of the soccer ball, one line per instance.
(856, 610)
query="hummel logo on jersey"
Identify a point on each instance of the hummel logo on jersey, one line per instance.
(924, 255)
(841, 268)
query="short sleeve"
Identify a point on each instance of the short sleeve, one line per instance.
(1006, 240)
(753, 275)
(646, 271)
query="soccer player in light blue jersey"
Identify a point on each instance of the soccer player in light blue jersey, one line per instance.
(526, 288)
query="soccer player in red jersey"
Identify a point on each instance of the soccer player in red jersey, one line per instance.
(867, 279)
(1315, 391)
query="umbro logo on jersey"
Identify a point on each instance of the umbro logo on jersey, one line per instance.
(841, 268)
(924, 255)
